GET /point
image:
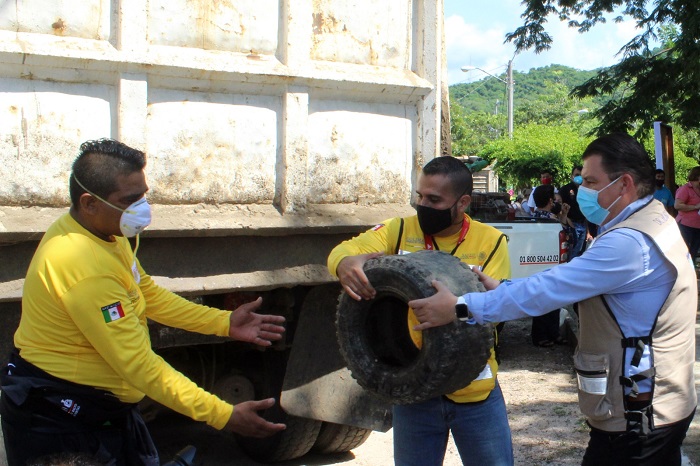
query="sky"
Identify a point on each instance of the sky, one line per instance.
(475, 34)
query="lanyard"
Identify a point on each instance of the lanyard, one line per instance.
(430, 243)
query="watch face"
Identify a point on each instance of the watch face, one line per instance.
(462, 311)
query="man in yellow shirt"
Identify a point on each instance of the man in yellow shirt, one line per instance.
(476, 415)
(83, 356)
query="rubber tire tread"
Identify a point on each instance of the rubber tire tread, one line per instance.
(452, 355)
(339, 438)
(295, 441)
(301, 433)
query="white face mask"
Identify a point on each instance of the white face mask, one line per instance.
(134, 219)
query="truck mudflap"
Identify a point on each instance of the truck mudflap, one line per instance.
(325, 390)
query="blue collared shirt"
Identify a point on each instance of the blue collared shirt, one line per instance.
(624, 265)
(664, 196)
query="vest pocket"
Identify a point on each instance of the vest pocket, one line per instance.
(592, 374)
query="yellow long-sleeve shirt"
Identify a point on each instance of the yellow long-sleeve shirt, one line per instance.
(85, 306)
(482, 246)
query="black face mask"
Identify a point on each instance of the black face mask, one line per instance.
(433, 220)
(659, 183)
(556, 208)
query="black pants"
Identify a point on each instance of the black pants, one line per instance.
(42, 414)
(31, 436)
(28, 438)
(546, 327)
(662, 447)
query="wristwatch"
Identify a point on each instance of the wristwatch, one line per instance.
(462, 310)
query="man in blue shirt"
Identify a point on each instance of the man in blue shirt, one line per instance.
(637, 296)
(662, 193)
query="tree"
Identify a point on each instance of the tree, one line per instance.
(646, 85)
(536, 148)
(473, 130)
(553, 105)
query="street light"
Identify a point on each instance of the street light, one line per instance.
(509, 87)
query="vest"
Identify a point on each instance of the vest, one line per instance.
(602, 347)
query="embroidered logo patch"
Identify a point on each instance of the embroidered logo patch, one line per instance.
(378, 227)
(70, 407)
(113, 312)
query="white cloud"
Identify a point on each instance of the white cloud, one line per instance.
(480, 44)
(468, 44)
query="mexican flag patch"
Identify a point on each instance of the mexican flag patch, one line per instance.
(113, 312)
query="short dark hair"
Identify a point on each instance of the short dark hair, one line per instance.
(576, 167)
(456, 171)
(658, 170)
(65, 459)
(620, 153)
(543, 194)
(98, 165)
(694, 174)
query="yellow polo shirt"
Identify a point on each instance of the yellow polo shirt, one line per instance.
(84, 319)
(482, 246)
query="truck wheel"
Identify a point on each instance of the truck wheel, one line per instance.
(338, 438)
(266, 373)
(293, 442)
(374, 335)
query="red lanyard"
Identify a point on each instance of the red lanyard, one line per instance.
(430, 243)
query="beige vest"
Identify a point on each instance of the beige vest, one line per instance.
(599, 358)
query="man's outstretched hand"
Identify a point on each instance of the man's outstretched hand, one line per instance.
(246, 421)
(251, 327)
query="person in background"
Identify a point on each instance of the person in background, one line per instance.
(476, 414)
(83, 357)
(688, 206)
(545, 179)
(663, 194)
(638, 297)
(518, 206)
(526, 210)
(545, 331)
(578, 231)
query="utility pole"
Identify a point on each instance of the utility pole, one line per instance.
(509, 90)
(509, 84)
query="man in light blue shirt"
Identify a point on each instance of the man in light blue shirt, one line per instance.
(635, 285)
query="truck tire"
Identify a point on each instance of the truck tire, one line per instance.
(338, 438)
(266, 373)
(375, 341)
(293, 442)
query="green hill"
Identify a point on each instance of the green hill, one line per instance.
(489, 94)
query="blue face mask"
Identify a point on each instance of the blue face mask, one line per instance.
(578, 179)
(587, 199)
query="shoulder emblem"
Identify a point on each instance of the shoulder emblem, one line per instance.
(113, 312)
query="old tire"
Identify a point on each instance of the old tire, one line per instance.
(375, 341)
(338, 438)
(266, 374)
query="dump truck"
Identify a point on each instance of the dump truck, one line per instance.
(274, 130)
